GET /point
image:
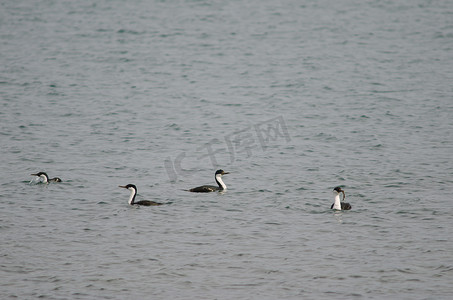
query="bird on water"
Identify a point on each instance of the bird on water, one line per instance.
(45, 178)
(338, 205)
(211, 188)
(133, 189)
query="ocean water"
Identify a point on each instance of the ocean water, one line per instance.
(292, 98)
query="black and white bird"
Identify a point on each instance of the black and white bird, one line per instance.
(211, 188)
(45, 178)
(133, 189)
(338, 205)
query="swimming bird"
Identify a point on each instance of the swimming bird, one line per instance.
(133, 189)
(212, 188)
(338, 205)
(45, 178)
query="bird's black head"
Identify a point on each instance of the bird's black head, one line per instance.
(338, 189)
(129, 186)
(39, 174)
(221, 172)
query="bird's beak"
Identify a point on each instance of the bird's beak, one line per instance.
(344, 195)
(226, 173)
(122, 186)
(34, 174)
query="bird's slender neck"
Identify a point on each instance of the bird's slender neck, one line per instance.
(44, 178)
(132, 196)
(218, 179)
(337, 204)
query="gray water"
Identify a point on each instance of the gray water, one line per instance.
(292, 98)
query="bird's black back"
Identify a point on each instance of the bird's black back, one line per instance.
(147, 203)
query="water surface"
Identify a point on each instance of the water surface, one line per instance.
(292, 98)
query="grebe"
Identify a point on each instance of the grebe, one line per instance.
(133, 190)
(338, 205)
(45, 178)
(212, 188)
